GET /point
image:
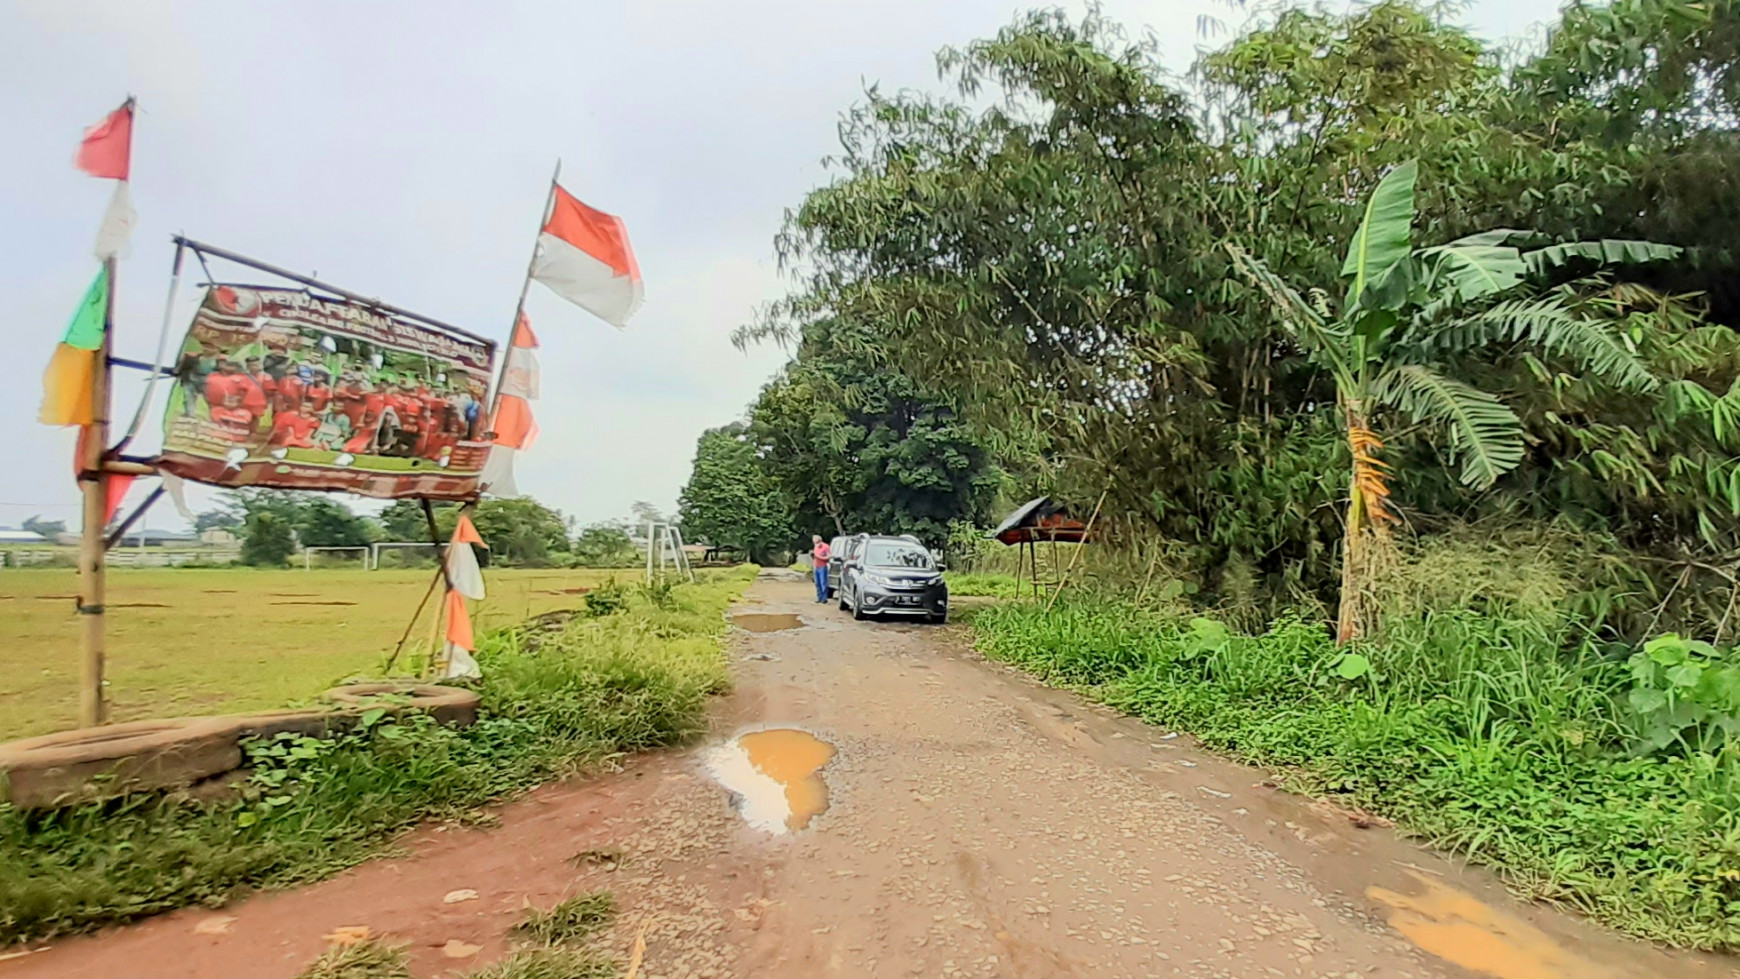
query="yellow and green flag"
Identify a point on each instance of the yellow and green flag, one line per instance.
(68, 382)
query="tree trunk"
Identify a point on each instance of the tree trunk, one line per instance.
(1367, 545)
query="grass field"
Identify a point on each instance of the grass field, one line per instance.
(196, 641)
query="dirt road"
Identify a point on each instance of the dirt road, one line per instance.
(975, 824)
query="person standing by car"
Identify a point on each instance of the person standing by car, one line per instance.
(819, 556)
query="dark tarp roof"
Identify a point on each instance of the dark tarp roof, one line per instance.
(1039, 519)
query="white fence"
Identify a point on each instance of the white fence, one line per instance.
(127, 557)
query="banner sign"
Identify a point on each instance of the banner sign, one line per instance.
(283, 389)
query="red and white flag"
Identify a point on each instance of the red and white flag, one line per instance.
(107, 151)
(513, 425)
(584, 257)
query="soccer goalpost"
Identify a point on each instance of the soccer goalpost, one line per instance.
(308, 555)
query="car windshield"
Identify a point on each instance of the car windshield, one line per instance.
(897, 554)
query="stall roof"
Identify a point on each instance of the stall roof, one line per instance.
(1039, 519)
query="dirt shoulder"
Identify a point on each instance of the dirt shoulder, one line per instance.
(979, 825)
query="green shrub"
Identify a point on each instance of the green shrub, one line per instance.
(602, 687)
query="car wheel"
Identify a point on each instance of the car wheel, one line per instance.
(939, 618)
(843, 605)
(858, 609)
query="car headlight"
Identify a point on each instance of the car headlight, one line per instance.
(877, 579)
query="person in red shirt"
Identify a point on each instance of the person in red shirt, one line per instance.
(352, 399)
(268, 384)
(819, 553)
(318, 393)
(235, 399)
(289, 391)
(292, 429)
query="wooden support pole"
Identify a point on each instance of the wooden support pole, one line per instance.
(94, 489)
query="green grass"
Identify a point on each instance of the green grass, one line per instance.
(1502, 739)
(573, 920)
(986, 584)
(552, 703)
(213, 641)
(368, 959)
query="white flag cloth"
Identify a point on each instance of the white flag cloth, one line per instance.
(115, 235)
(583, 256)
(460, 663)
(497, 478)
(462, 569)
(519, 377)
(177, 490)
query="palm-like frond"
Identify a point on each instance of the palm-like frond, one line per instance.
(1608, 251)
(1385, 231)
(1558, 329)
(1301, 317)
(1482, 431)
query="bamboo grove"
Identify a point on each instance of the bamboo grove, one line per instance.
(1360, 255)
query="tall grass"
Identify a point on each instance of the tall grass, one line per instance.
(552, 704)
(1499, 736)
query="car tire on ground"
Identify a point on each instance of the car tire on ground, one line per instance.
(939, 618)
(858, 609)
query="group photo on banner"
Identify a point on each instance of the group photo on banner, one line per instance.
(280, 388)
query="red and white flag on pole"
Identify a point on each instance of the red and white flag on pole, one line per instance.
(107, 151)
(513, 425)
(584, 257)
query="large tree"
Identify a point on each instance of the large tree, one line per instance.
(1054, 259)
(858, 447)
(730, 501)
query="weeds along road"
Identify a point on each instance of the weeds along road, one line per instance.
(975, 825)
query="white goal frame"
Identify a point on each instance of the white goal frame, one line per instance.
(367, 550)
(375, 548)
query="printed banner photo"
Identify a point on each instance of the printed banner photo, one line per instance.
(283, 389)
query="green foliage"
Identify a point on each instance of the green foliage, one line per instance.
(1502, 737)
(1042, 249)
(730, 501)
(605, 545)
(575, 919)
(1685, 695)
(267, 540)
(552, 703)
(606, 599)
(854, 445)
(519, 531)
(367, 959)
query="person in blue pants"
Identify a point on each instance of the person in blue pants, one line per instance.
(819, 555)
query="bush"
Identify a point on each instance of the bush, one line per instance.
(603, 686)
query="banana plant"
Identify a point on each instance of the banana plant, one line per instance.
(1406, 312)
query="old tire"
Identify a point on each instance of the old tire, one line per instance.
(102, 762)
(448, 705)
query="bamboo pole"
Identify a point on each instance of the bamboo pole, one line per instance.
(94, 488)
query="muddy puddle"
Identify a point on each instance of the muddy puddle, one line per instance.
(766, 621)
(1456, 926)
(776, 775)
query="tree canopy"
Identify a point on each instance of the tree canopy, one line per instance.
(1042, 247)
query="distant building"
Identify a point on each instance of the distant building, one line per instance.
(217, 537)
(10, 536)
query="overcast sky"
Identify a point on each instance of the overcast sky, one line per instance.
(402, 150)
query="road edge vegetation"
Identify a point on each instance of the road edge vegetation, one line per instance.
(631, 671)
(1507, 739)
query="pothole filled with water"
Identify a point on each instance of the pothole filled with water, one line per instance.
(1456, 926)
(766, 621)
(776, 775)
